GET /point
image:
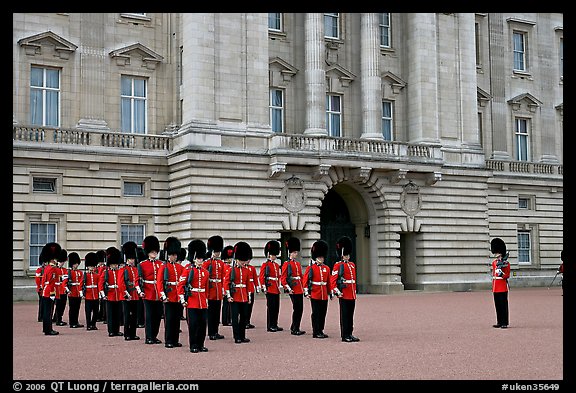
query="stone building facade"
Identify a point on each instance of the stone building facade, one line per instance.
(421, 136)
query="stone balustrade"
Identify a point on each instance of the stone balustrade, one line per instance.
(527, 167)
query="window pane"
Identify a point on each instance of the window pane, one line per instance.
(132, 232)
(133, 189)
(52, 79)
(139, 88)
(387, 129)
(274, 20)
(126, 86)
(52, 108)
(276, 120)
(36, 107)
(36, 77)
(126, 115)
(335, 104)
(139, 116)
(276, 97)
(40, 234)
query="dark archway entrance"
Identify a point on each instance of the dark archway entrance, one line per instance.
(335, 222)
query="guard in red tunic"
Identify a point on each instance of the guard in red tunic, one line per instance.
(343, 284)
(148, 273)
(129, 286)
(169, 274)
(110, 291)
(236, 287)
(253, 287)
(500, 273)
(291, 280)
(316, 282)
(50, 253)
(227, 257)
(270, 283)
(215, 267)
(192, 291)
(101, 257)
(61, 289)
(89, 292)
(75, 278)
(38, 280)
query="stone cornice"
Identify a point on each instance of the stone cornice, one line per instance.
(33, 44)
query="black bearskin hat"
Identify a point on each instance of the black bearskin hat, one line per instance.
(50, 251)
(150, 244)
(272, 248)
(215, 243)
(101, 256)
(129, 250)
(63, 256)
(91, 259)
(242, 251)
(319, 249)
(227, 252)
(497, 246)
(196, 249)
(293, 244)
(73, 259)
(172, 245)
(181, 254)
(113, 256)
(344, 246)
(562, 255)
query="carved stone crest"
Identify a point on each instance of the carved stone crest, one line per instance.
(294, 195)
(410, 199)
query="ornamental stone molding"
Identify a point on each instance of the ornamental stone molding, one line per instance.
(123, 56)
(410, 199)
(35, 44)
(293, 195)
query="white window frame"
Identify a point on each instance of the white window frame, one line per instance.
(127, 232)
(133, 100)
(331, 113)
(385, 25)
(522, 249)
(278, 17)
(389, 120)
(520, 52)
(276, 109)
(522, 134)
(332, 17)
(129, 195)
(37, 246)
(44, 89)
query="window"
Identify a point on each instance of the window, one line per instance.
(45, 96)
(523, 203)
(524, 255)
(522, 141)
(277, 110)
(133, 189)
(181, 66)
(519, 50)
(43, 184)
(561, 58)
(133, 105)
(40, 235)
(477, 42)
(275, 21)
(384, 30)
(333, 115)
(387, 120)
(331, 25)
(131, 232)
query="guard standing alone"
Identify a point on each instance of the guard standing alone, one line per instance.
(500, 275)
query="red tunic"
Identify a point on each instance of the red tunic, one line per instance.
(148, 272)
(75, 277)
(253, 280)
(217, 268)
(241, 280)
(128, 281)
(198, 291)
(321, 285)
(270, 277)
(500, 281)
(296, 282)
(49, 278)
(175, 270)
(38, 278)
(62, 281)
(90, 285)
(111, 277)
(348, 279)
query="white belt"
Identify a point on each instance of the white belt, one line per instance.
(198, 290)
(296, 278)
(112, 286)
(497, 278)
(239, 286)
(318, 283)
(348, 281)
(91, 286)
(215, 280)
(74, 283)
(273, 278)
(149, 281)
(57, 283)
(171, 282)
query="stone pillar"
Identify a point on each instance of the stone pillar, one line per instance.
(315, 74)
(422, 78)
(370, 77)
(93, 63)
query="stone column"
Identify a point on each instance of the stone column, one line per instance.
(315, 74)
(370, 77)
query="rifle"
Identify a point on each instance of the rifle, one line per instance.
(210, 273)
(266, 275)
(127, 282)
(165, 279)
(340, 281)
(188, 286)
(106, 281)
(554, 279)
(310, 275)
(232, 278)
(289, 278)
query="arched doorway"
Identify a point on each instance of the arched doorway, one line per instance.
(344, 213)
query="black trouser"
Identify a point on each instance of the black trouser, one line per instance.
(47, 307)
(140, 320)
(250, 307)
(501, 303)
(102, 310)
(197, 327)
(113, 315)
(59, 309)
(318, 316)
(130, 317)
(153, 311)
(297, 310)
(74, 310)
(91, 308)
(239, 311)
(40, 306)
(226, 312)
(214, 307)
(172, 322)
(346, 316)
(272, 310)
